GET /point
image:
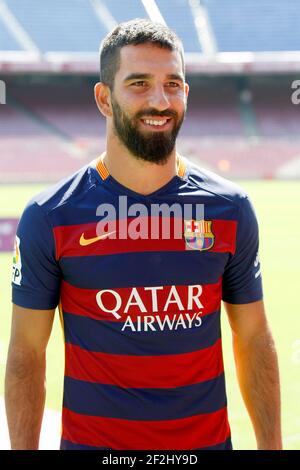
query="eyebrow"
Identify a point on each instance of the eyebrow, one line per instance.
(147, 76)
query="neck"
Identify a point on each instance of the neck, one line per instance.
(135, 174)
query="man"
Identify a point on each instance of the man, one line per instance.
(140, 304)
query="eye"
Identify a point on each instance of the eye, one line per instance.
(173, 84)
(140, 83)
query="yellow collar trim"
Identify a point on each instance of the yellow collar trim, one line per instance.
(101, 168)
(104, 173)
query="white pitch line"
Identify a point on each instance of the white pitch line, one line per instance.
(290, 169)
(292, 438)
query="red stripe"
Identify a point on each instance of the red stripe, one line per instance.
(84, 301)
(178, 434)
(165, 371)
(67, 239)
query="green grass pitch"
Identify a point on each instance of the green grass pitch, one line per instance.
(277, 205)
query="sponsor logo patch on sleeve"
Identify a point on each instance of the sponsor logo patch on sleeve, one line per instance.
(17, 263)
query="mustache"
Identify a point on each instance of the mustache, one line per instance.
(153, 112)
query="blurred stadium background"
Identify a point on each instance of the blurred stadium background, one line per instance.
(242, 59)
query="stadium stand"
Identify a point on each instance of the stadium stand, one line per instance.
(240, 119)
(68, 25)
(67, 107)
(49, 129)
(79, 25)
(276, 115)
(124, 11)
(213, 109)
(32, 148)
(7, 40)
(185, 29)
(255, 25)
(52, 28)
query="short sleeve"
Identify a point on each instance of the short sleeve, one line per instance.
(36, 274)
(242, 282)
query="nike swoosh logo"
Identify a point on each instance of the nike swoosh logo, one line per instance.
(88, 241)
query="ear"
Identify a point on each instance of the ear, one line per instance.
(186, 90)
(102, 97)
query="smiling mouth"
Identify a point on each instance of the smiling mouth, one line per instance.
(156, 122)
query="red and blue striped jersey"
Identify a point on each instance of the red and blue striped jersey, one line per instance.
(141, 313)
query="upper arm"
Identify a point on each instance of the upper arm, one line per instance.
(242, 282)
(247, 320)
(35, 284)
(36, 272)
(30, 329)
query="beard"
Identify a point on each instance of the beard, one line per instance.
(154, 147)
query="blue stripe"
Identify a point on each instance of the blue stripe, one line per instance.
(83, 211)
(144, 269)
(68, 445)
(103, 336)
(227, 445)
(111, 401)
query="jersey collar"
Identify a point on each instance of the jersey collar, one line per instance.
(104, 173)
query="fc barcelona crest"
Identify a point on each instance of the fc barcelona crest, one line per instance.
(198, 235)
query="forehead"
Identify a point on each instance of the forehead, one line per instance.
(150, 59)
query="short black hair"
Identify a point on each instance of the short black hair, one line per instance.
(134, 32)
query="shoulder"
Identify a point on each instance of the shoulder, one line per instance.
(67, 190)
(49, 207)
(216, 185)
(62, 194)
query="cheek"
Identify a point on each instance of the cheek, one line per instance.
(131, 102)
(131, 108)
(181, 100)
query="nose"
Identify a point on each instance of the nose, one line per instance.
(158, 99)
